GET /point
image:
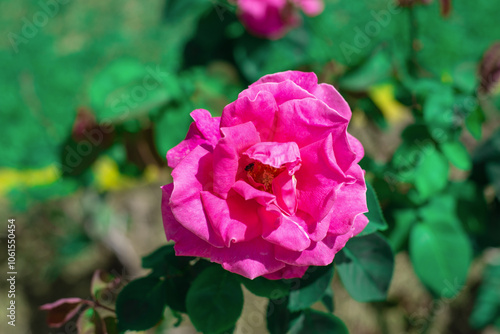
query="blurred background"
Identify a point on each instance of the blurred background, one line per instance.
(93, 94)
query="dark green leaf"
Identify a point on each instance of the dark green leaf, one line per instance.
(327, 299)
(214, 301)
(140, 304)
(263, 287)
(316, 322)
(365, 266)
(310, 288)
(164, 262)
(374, 214)
(110, 325)
(279, 317)
(177, 289)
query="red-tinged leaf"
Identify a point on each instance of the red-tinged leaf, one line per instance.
(445, 7)
(489, 70)
(62, 310)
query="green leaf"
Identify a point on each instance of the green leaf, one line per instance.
(110, 325)
(316, 322)
(374, 214)
(176, 292)
(487, 305)
(164, 262)
(439, 249)
(431, 176)
(457, 154)
(365, 266)
(327, 299)
(279, 317)
(176, 10)
(310, 288)
(176, 119)
(404, 220)
(375, 69)
(140, 304)
(263, 287)
(126, 89)
(214, 301)
(474, 122)
(440, 114)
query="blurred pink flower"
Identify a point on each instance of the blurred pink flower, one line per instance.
(273, 185)
(272, 18)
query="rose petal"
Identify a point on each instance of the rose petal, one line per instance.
(285, 190)
(287, 232)
(281, 91)
(235, 219)
(319, 253)
(235, 140)
(187, 243)
(250, 259)
(191, 176)
(260, 110)
(310, 7)
(288, 272)
(203, 131)
(356, 147)
(275, 154)
(248, 192)
(350, 202)
(266, 18)
(319, 178)
(309, 82)
(307, 120)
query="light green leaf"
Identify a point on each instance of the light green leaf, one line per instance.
(457, 154)
(439, 249)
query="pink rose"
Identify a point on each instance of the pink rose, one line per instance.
(272, 18)
(271, 187)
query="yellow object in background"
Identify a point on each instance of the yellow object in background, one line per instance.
(107, 175)
(384, 98)
(11, 178)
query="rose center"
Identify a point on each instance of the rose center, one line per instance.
(263, 174)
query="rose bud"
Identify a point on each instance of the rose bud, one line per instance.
(273, 18)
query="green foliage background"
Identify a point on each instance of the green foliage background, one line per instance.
(411, 75)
